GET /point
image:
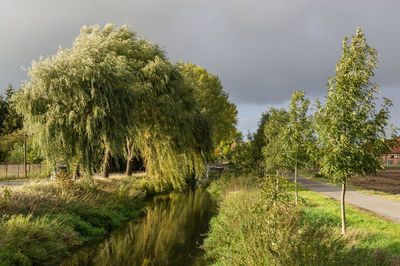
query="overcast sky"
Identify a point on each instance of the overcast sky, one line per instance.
(261, 50)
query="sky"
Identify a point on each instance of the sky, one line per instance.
(261, 50)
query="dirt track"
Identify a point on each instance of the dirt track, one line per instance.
(387, 181)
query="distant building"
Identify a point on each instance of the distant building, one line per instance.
(393, 156)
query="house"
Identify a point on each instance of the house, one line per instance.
(393, 156)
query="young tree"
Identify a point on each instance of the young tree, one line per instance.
(351, 130)
(299, 138)
(275, 160)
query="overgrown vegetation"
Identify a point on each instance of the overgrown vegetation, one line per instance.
(42, 223)
(261, 225)
(258, 225)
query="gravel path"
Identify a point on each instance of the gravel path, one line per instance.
(383, 207)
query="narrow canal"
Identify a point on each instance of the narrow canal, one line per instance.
(169, 234)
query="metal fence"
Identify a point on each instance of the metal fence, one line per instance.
(8, 171)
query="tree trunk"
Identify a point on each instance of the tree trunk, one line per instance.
(129, 159)
(129, 166)
(107, 163)
(25, 171)
(77, 173)
(295, 183)
(343, 207)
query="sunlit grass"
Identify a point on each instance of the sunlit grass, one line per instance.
(368, 231)
(40, 223)
(370, 240)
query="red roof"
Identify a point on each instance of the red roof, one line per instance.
(396, 147)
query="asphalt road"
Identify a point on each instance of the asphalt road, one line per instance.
(383, 207)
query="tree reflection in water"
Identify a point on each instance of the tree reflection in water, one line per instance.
(169, 234)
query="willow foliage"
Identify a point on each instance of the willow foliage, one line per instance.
(108, 88)
(80, 100)
(171, 135)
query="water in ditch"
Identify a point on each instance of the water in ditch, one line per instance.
(169, 234)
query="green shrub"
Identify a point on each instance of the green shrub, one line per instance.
(5, 198)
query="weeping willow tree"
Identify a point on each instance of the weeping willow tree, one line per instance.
(78, 103)
(171, 134)
(109, 91)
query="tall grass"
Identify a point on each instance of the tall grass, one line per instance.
(41, 224)
(365, 231)
(262, 226)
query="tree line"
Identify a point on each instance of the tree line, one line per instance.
(114, 95)
(11, 134)
(345, 136)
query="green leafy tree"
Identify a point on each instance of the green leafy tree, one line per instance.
(213, 102)
(171, 134)
(109, 91)
(275, 160)
(242, 156)
(32, 153)
(299, 139)
(9, 119)
(7, 144)
(3, 112)
(248, 155)
(79, 102)
(350, 128)
(259, 141)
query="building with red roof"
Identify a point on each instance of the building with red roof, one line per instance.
(393, 156)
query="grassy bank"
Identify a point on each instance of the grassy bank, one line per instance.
(256, 226)
(41, 224)
(364, 231)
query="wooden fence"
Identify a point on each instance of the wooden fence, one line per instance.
(8, 171)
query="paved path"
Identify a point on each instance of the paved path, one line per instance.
(19, 182)
(383, 207)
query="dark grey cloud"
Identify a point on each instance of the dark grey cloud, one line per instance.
(261, 50)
